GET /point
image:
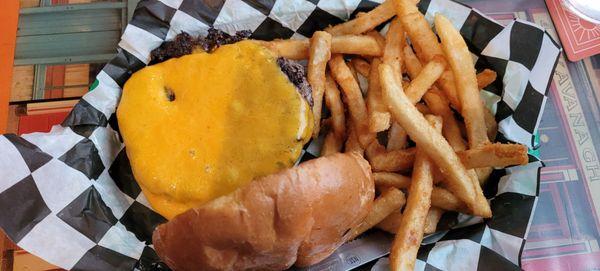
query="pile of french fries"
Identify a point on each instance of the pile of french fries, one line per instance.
(420, 89)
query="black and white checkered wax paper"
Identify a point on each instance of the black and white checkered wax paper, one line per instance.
(69, 196)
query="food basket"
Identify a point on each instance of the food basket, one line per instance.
(69, 196)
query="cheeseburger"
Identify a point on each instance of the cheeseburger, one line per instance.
(213, 130)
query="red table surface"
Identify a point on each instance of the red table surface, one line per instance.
(565, 229)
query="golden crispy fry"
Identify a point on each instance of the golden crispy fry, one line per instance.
(291, 49)
(443, 199)
(428, 75)
(438, 105)
(412, 63)
(352, 144)
(491, 155)
(432, 219)
(394, 41)
(391, 179)
(485, 78)
(319, 54)
(353, 98)
(332, 144)
(348, 44)
(490, 124)
(485, 210)
(418, 30)
(494, 155)
(379, 117)
(425, 43)
(391, 223)
(410, 234)
(440, 198)
(356, 45)
(389, 161)
(365, 22)
(448, 85)
(336, 107)
(361, 66)
(434, 144)
(437, 102)
(460, 61)
(397, 138)
(389, 201)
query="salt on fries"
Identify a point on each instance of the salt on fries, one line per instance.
(443, 172)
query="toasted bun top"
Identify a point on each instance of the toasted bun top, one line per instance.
(298, 215)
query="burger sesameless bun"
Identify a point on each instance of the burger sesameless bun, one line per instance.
(298, 215)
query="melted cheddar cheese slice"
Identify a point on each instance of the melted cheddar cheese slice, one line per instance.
(199, 126)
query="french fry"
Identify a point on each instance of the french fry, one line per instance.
(348, 44)
(485, 210)
(472, 109)
(391, 179)
(397, 137)
(460, 61)
(433, 217)
(353, 98)
(379, 117)
(438, 105)
(494, 155)
(410, 234)
(361, 66)
(391, 223)
(360, 14)
(352, 144)
(319, 54)
(389, 161)
(490, 124)
(440, 197)
(491, 155)
(418, 30)
(485, 78)
(366, 22)
(356, 45)
(332, 144)
(296, 49)
(433, 144)
(389, 201)
(422, 82)
(336, 107)
(392, 52)
(447, 84)
(425, 43)
(437, 102)
(412, 63)
(443, 199)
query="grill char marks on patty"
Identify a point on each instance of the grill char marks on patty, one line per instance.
(184, 44)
